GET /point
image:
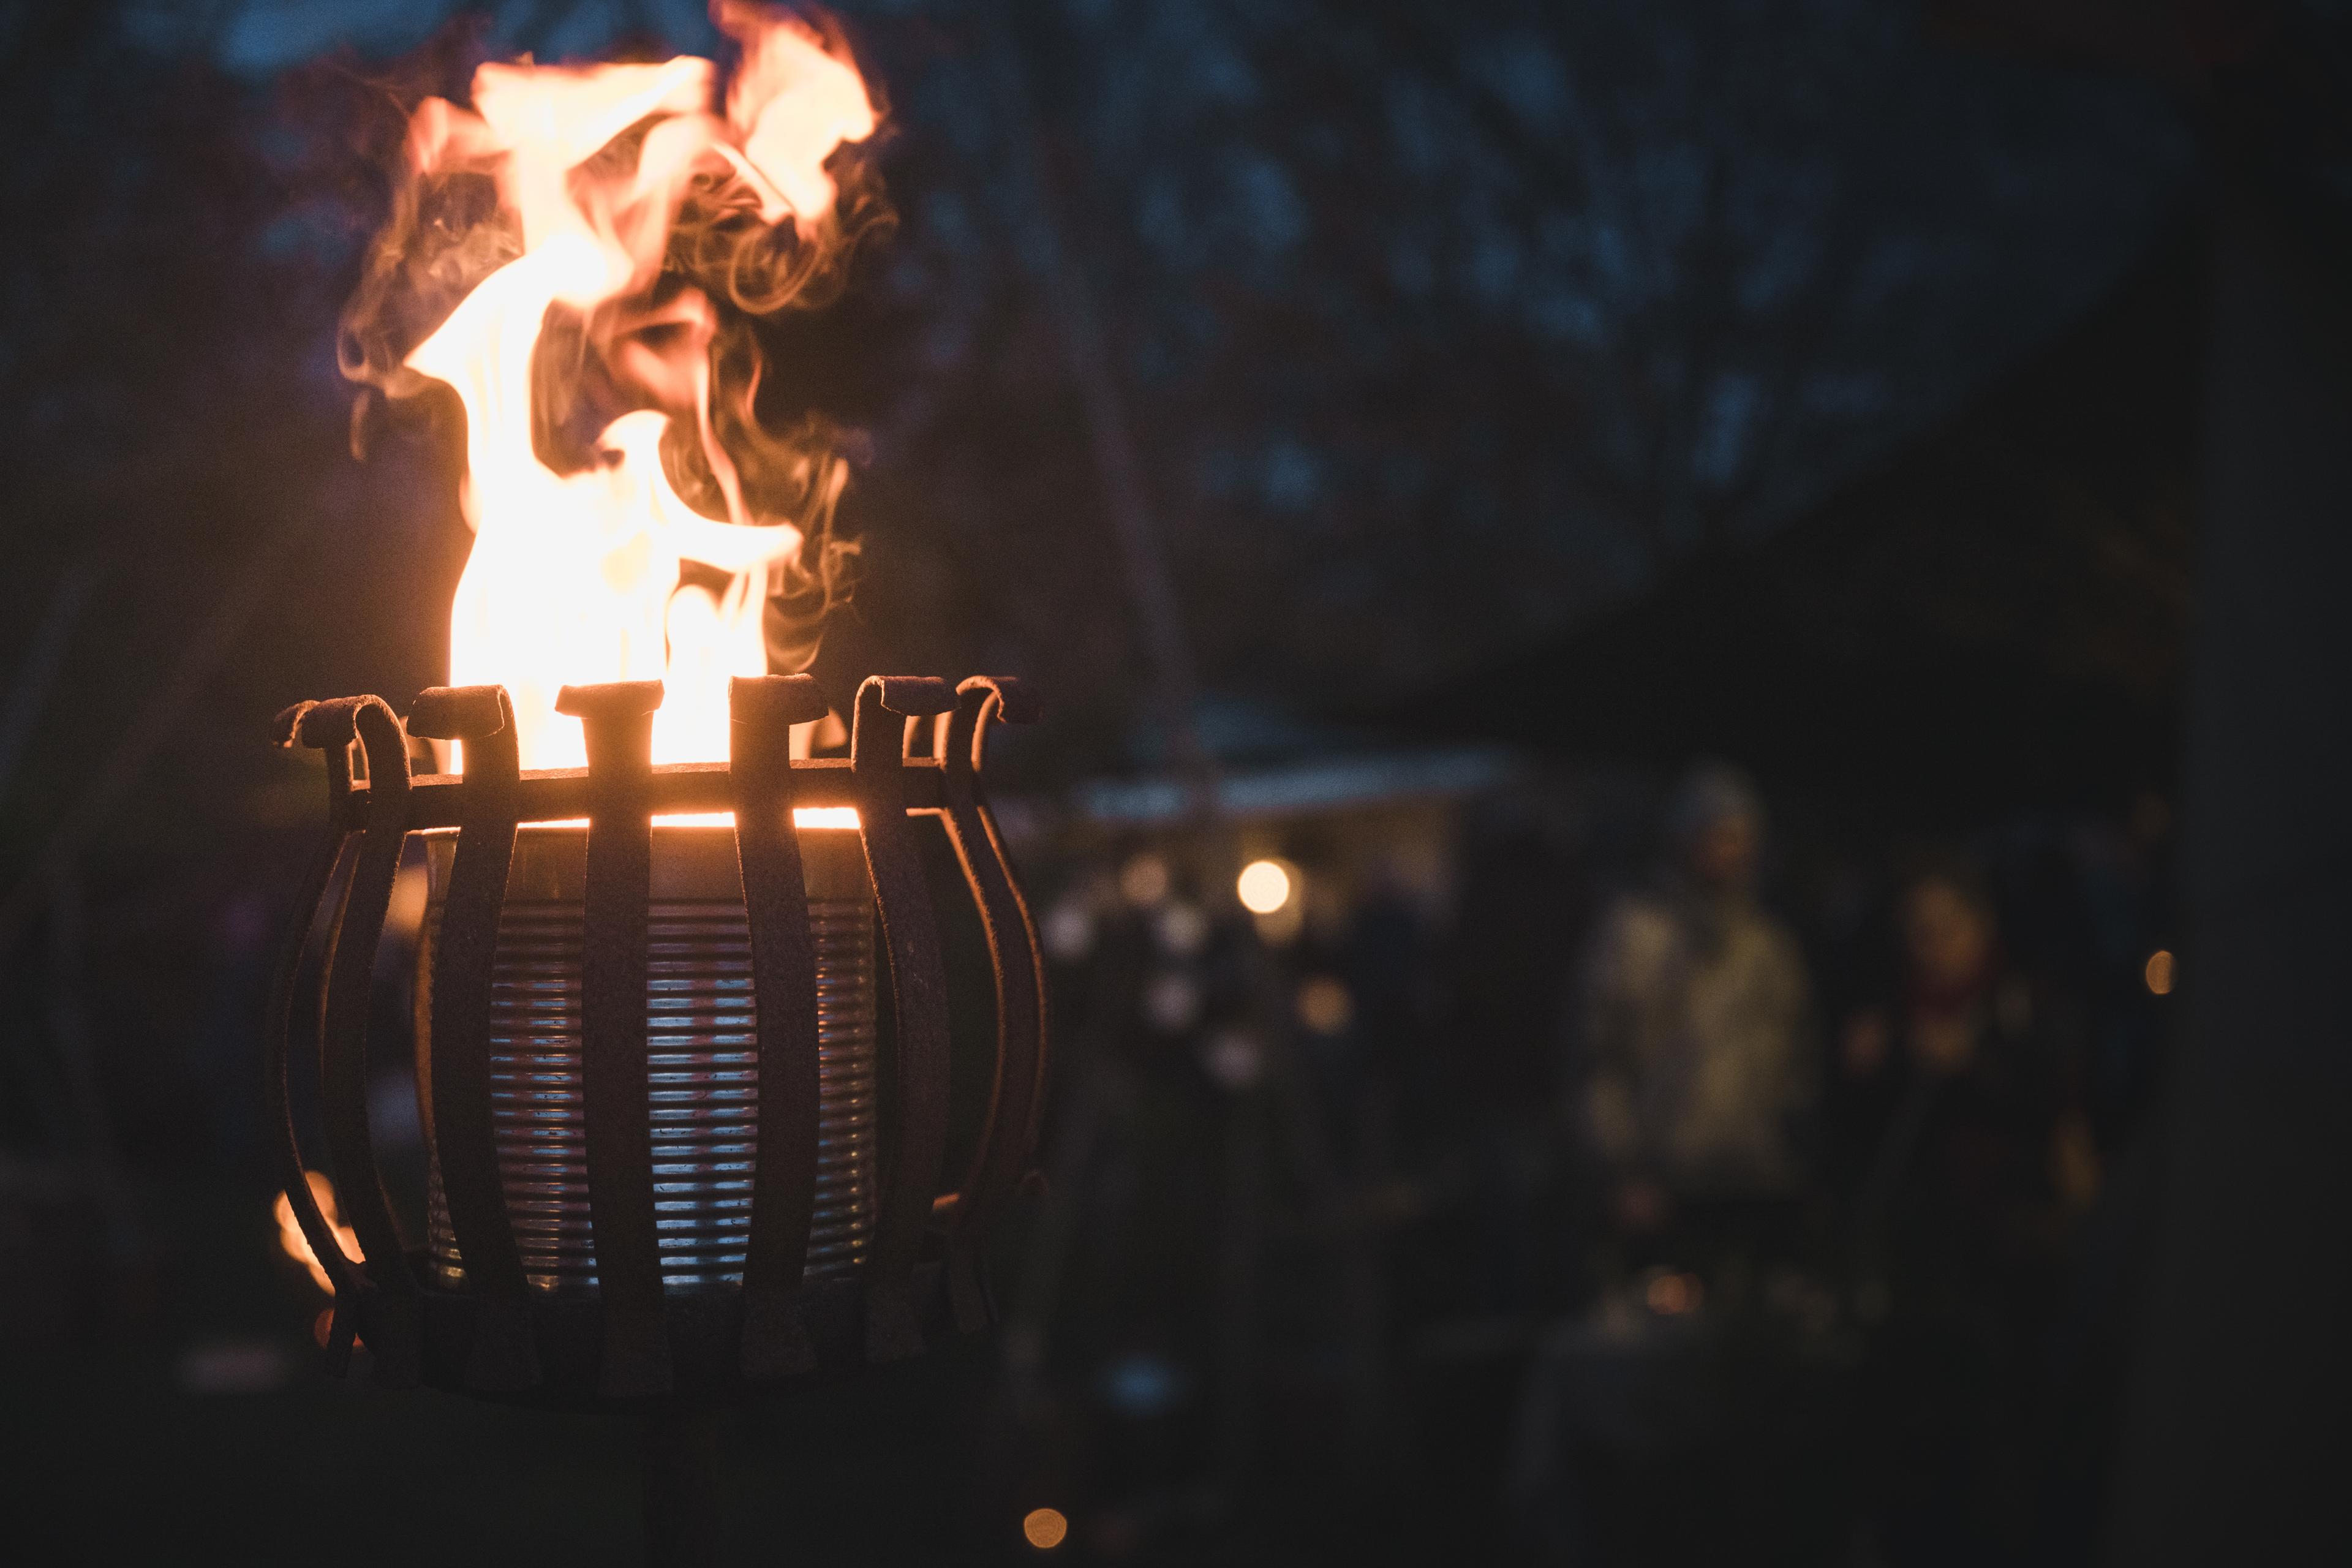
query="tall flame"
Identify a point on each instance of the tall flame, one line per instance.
(575, 577)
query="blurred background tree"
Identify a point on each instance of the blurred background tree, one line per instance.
(1444, 324)
(1433, 327)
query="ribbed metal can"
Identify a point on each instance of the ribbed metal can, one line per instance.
(702, 1056)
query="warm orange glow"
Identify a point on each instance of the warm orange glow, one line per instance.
(1263, 887)
(804, 817)
(1144, 882)
(2158, 973)
(574, 578)
(1671, 1295)
(297, 1246)
(1325, 1003)
(1045, 1528)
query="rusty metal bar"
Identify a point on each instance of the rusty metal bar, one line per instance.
(784, 999)
(562, 794)
(276, 1031)
(456, 1067)
(999, 1157)
(391, 1315)
(618, 720)
(910, 1171)
(496, 1334)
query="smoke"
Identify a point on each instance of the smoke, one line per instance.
(736, 246)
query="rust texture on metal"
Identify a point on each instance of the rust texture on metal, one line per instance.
(496, 1334)
(784, 1011)
(560, 795)
(618, 721)
(390, 1310)
(919, 1086)
(1001, 1156)
(278, 1023)
(455, 1068)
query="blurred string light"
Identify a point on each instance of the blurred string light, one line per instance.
(1325, 1005)
(1671, 1295)
(1143, 881)
(1230, 1058)
(1069, 930)
(1264, 887)
(1045, 1528)
(1172, 1002)
(2158, 973)
(1182, 928)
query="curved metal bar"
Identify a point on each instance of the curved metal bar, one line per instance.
(618, 721)
(393, 1323)
(276, 1031)
(554, 794)
(784, 1000)
(1016, 707)
(911, 1171)
(505, 1356)
(999, 1157)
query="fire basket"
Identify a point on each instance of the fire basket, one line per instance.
(686, 1112)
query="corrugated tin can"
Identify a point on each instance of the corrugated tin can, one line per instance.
(702, 1056)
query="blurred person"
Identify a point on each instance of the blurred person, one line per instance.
(1959, 1104)
(1678, 1416)
(1969, 1160)
(1698, 1072)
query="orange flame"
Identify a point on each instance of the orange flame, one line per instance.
(297, 1246)
(575, 577)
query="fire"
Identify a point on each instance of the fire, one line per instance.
(297, 1246)
(575, 573)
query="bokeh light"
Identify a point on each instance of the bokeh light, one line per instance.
(1671, 1295)
(1263, 887)
(1045, 1528)
(1325, 1005)
(1144, 880)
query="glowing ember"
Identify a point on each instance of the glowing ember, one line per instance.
(606, 175)
(297, 1246)
(1045, 1528)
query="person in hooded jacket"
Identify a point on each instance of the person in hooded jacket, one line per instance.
(1700, 1076)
